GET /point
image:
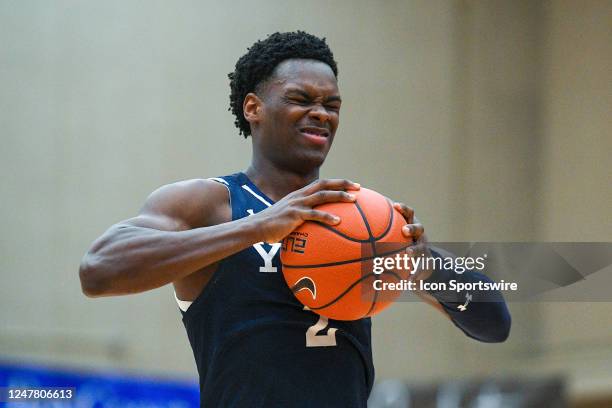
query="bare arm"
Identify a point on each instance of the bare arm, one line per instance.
(172, 237)
(184, 227)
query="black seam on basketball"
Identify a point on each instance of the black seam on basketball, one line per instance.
(372, 240)
(335, 231)
(351, 286)
(343, 235)
(375, 297)
(367, 258)
(386, 231)
(372, 305)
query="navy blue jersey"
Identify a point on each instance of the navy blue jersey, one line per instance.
(256, 346)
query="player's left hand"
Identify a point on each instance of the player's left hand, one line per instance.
(415, 230)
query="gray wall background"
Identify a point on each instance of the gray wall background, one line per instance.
(490, 118)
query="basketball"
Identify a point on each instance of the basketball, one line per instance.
(329, 268)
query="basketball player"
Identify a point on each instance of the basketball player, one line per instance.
(217, 241)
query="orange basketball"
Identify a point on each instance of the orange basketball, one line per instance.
(329, 268)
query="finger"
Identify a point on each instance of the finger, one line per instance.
(416, 251)
(326, 196)
(406, 211)
(413, 231)
(330, 184)
(321, 216)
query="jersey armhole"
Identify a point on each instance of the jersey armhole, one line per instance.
(182, 304)
(185, 304)
(229, 192)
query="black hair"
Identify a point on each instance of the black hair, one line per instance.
(258, 64)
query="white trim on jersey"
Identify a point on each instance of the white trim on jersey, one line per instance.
(257, 196)
(219, 180)
(226, 185)
(182, 304)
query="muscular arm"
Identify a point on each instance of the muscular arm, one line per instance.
(172, 237)
(186, 226)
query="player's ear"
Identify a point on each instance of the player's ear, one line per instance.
(252, 108)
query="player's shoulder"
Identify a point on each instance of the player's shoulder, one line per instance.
(197, 201)
(189, 189)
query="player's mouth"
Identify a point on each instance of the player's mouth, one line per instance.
(315, 135)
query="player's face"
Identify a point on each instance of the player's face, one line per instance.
(300, 114)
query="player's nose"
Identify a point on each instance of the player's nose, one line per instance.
(319, 113)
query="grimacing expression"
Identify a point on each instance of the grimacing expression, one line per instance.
(300, 114)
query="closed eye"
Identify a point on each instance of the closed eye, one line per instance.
(296, 100)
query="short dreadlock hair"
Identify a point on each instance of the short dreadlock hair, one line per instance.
(258, 64)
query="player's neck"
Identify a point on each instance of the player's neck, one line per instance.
(275, 182)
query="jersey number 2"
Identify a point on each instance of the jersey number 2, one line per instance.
(320, 340)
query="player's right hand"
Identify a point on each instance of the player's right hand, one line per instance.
(279, 220)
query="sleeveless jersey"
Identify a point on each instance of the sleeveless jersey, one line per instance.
(255, 345)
